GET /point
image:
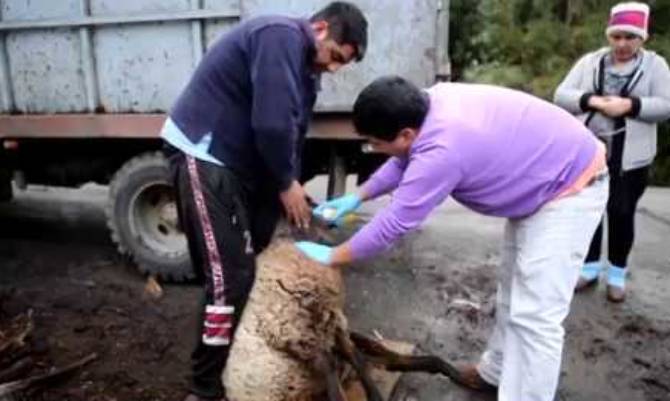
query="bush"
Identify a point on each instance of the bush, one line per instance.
(531, 44)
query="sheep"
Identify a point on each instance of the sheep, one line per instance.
(290, 321)
(293, 335)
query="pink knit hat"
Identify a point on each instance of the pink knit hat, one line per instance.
(631, 17)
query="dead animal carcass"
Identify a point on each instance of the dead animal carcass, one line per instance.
(293, 336)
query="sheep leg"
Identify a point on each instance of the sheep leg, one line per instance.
(335, 391)
(348, 350)
(327, 365)
(393, 361)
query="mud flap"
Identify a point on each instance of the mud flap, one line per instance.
(5, 184)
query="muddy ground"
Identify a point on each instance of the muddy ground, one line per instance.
(435, 289)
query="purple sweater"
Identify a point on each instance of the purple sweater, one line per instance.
(497, 151)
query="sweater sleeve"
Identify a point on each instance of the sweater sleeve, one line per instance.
(277, 61)
(428, 180)
(656, 106)
(569, 94)
(385, 179)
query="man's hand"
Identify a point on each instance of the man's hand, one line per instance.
(616, 106)
(329, 256)
(317, 252)
(334, 210)
(295, 205)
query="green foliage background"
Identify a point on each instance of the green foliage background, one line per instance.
(531, 45)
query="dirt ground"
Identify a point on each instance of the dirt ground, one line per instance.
(435, 289)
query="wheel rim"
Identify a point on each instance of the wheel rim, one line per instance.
(153, 220)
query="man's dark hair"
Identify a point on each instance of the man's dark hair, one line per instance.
(387, 106)
(346, 25)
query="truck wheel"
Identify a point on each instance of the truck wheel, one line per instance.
(142, 217)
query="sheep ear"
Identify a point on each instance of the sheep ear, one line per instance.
(334, 317)
(298, 288)
(306, 284)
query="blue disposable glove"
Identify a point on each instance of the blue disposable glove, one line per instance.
(318, 252)
(334, 210)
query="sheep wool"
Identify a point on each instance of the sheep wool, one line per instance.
(287, 329)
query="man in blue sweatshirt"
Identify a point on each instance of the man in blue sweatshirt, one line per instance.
(233, 140)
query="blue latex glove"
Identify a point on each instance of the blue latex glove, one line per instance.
(334, 210)
(318, 252)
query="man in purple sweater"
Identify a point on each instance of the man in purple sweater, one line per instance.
(501, 153)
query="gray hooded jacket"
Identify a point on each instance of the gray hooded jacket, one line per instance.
(649, 90)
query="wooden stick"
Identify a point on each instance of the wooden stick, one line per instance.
(17, 354)
(17, 369)
(8, 389)
(17, 340)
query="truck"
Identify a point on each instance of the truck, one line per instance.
(85, 85)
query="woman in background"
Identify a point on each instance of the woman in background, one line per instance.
(621, 92)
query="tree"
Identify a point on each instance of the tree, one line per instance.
(531, 44)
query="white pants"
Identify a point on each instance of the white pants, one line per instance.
(541, 260)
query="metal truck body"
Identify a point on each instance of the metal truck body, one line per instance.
(85, 85)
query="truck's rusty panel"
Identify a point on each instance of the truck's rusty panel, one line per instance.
(134, 56)
(131, 126)
(144, 73)
(402, 38)
(81, 126)
(142, 67)
(44, 65)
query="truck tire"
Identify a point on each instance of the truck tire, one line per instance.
(142, 216)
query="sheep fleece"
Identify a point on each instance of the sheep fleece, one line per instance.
(289, 323)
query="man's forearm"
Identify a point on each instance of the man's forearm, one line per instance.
(362, 194)
(341, 255)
